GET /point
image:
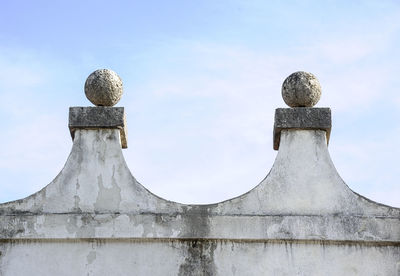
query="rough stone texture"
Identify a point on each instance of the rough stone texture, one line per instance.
(96, 219)
(98, 117)
(210, 257)
(301, 89)
(103, 87)
(301, 118)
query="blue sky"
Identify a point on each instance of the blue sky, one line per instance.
(202, 80)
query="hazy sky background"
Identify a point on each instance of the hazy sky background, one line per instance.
(202, 80)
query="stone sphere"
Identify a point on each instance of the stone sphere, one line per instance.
(301, 89)
(103, 87)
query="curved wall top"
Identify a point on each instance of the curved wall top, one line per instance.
(302, 198)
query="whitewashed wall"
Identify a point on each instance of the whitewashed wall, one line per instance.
(96, 219)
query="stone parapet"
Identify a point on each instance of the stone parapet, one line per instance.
(95, 218)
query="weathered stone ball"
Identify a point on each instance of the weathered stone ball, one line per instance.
(103, 87)
(301, 89)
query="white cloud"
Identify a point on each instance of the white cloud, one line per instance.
(369, 164)
(200, 128)
(245, 85)
(34, 138)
